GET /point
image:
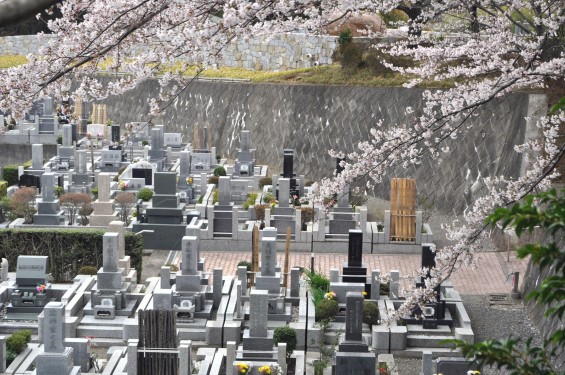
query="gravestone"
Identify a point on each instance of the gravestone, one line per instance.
(163, 215)
(354, 270)
(342, 218)
(454, 366)
(115, 133)
(103, 213)
(245, 163)
(191, 284)
(66, 151)
(172, 139)
(353, 355)
(284, 192)
(25, 300)
(146, 173)
(269, 279)
(55, 357)
(37, 156)
(48, 207)
(223, 211)
(258, 337)
(29, 180)
(110, 294)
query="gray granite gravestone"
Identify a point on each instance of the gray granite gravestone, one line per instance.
(454, 365)
(257, 337)
(103, 213)
(269, 279)
(48, 207)
(163, 215)
(244, 164)
(284, 192)
(25, 301)
(37, 156)
(55, 358)
(109, 296)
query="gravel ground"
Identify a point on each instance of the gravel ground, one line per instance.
(488, 321)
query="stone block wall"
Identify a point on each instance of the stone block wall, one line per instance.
(22, 44)
(312, 119)
(278, 52)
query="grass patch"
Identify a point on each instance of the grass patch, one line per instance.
(9, 61)
(323, 75)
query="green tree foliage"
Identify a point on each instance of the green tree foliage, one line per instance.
(546, 211)
(287, 335)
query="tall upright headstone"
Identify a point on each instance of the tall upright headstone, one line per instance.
(37, 156)
(284, 192)
(245, 164)
(354, 271)
(48, 207)
(269, 279)
(103, 213)
(55, 358)
(353, 355)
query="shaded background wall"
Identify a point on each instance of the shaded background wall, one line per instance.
(313, 119)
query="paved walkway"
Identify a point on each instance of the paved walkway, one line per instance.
(489, 277)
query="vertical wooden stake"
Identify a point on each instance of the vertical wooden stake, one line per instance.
(254, 254)
(286, 256)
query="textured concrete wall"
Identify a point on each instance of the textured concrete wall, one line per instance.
(313, 119)
(20, 153)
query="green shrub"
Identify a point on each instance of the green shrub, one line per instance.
(201, 199)
(268, 197)
(94, 192)
(10, 174)
(215, 195)
(326, 309)
(59, 139)
(264, 181)
(18, 341)
(384, 289)
(287, 335)
(219, 171)
(88, 270)
(346, 36)
(393, 17)
(145, 194)
(59, 190)
(317, 280)
(27, 164)
(3, 188)
(10, 356)
(245, 263)
(218, 158)
(145, 142)
(250, 201)
(370, 313)
(213, 180)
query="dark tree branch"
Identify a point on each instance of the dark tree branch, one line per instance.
(14, 11)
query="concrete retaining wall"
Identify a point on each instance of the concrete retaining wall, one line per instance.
(313, 119)
(20, 153)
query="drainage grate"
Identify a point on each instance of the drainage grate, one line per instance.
(499, 299)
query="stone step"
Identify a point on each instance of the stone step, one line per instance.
(100, 332)
(430, 341)
(194, 334)
(441, 330)
(416, 352)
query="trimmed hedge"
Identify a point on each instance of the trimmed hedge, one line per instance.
(68, 249)
(10, 174)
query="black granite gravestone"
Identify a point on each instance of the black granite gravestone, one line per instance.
(29, 180)
(115, 133)
(288, 163)
(353, 271)
(145, 173)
